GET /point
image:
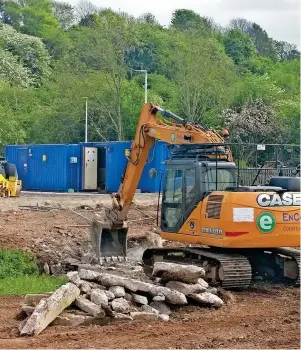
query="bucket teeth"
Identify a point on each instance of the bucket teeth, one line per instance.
(112, 259)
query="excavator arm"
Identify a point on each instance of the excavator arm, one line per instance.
(111, 234)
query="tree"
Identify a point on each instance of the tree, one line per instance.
(255, 123)
(32, 17)
(189, 20)
(240, 24)
(64, 13)
(26, 51)
(85, 8)
(238, 46)
(4, 16)
(12, 71)
(263, 43)
(253, 87)
(148, 18)
(286, 51)
(205, 77)
(114, 38)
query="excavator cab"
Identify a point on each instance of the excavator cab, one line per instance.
(187, 183)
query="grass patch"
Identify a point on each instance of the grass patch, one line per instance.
(30, 284)
(20, 274)
(14, 263)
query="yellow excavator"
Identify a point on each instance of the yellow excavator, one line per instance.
(235, 232)
(10, 185)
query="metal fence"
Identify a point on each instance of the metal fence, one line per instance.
(246, 176)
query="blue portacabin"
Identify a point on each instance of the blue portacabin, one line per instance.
(94, 166)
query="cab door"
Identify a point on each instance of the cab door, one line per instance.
(179, 197)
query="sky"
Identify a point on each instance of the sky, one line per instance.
(280, 18)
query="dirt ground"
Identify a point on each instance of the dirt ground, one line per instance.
(265, 316)
(53, 235)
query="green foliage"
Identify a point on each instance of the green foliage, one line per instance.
(253, 87)
(26, 51)
(31, 16)
(205, 77)
(52, 55)
(14, 263)
(189, 20)
(239, 46)
(263, 43)
(22, 285)
(64, 13)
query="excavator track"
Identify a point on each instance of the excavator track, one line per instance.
(233, 270)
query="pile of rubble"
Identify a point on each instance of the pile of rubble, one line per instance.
(92, 297)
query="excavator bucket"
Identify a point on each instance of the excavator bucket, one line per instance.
(110, 243)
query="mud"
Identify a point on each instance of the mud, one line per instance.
(261, 318)
(52, 236)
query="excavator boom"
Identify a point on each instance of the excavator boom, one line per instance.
(111, 234)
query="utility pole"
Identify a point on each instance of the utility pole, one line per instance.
(86, 125)
(145, 82)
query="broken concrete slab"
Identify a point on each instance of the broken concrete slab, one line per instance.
(96, 268)
(133, 285)
(109, 295)
(22, 324)
(144, 316)
(121, 317)
(73, 277)
(203, 283)
(171, 296)
(148, 308)
(99, 297)
(120, 305)
(89, 307)
(48, 309)
(161, 307)
(177, 272)
(139, 299)
(128, 297)
(85, 287)
(207, 299)
(159, 298)
(185, 288)
(88, 275)
(163, 317)
(95, 285)
(118, 291)
(212, 290)
(34, 299)
(69, 319)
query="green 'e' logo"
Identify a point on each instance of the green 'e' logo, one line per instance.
(266, 222)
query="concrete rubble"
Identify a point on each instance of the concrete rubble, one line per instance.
(98, 297)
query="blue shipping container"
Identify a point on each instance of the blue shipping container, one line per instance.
(111, 158)
(46, 167)
(61, 167)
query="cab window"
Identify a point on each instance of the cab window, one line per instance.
(217, 179)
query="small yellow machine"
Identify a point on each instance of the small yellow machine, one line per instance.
(10, 185)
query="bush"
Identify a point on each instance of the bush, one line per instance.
(14, 263)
